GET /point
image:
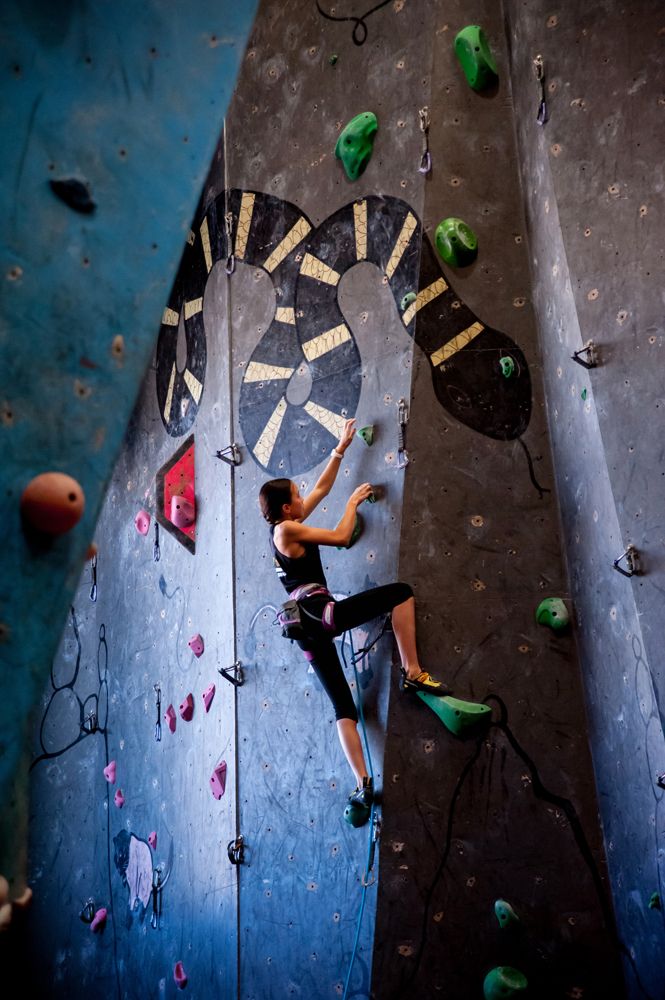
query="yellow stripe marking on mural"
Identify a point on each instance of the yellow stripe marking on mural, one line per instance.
(456, 344)
(264, 446)
(193, 385)
(289, 243)
(205, 240)
(312, 267)
(170, 317)
(326, 342)
(360, 220)
(285, 315)
(257, 372)
(244, 223)
(408, 230)
(193, 307)
(423, 298)
(331, 421)
(169, 396)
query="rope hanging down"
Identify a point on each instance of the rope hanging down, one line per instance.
(359, 21)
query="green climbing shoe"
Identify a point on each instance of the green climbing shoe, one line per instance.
(504, 982)
(473, 51)
(354, 146)
(505, 914)
(458, 716)
(553, 612)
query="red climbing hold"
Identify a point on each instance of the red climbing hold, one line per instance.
(187, 708)
(169, 718)
(183, 513)
(98, 921)
(218, 780)
(142, 522)
(179, 976)
(196, 645)
(152, 840)
(208, 695)
(119, 799)
(53, 503)
(109, 772)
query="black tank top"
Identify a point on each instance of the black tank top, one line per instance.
(294, 572)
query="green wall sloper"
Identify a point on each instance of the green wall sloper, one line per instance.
(130, 100)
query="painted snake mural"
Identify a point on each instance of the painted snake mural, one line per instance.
(306, 264)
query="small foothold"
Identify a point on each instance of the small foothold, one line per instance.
(196, 645)
(218, 780)
(142, 522)
(183, 513)
(505, 914)
(355, 535)
(356, 814)
(119, 799)
(456, 242)
(98, 921)
(179, 976)
(187, 709)
(53, 503)
(208, 695)
(367, 434)
(152, 839)
(503, 982)
(507, 366)
(109, 772)
(654, 902)
(75, 194)
(354, 146)
(333, 60)
(457, 716)
(473, 51)
(553, 612)
(583, 394)
(169, 718)
(408, 299)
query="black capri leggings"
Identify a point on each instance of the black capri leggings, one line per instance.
(319, 646)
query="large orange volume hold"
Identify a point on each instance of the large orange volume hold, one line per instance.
(53, 503)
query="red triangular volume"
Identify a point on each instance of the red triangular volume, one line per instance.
(176, 478)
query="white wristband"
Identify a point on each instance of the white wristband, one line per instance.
(335, 454)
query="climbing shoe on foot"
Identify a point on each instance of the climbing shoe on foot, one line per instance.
(423, 682)
(359, 808)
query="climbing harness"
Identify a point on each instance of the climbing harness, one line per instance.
(158, 725)
(402, 457)
(539, 73)
(290, 617)
(425, 159)
(93, 589)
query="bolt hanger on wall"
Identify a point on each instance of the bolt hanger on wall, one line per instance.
(237, 679)
(93, 589)
(90, 724)
(155, 548)
(591, 355)
(403, 413)
(425, 159)
(236, 850)
(370, 859)
(231, 454)
(158, 725)
(630, 555)
(539, 73)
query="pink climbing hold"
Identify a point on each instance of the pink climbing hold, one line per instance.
(142, 522)
(109, 772)
(183, 513)
(98, 921)
(187, 708)
(169, 718)
(179, 976)
(218, 780)
(152, 840)
(119, 799)
(208, 695)
(196, 644)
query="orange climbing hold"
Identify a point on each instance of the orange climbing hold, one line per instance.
(53, 503)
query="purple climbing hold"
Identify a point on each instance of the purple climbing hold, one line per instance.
(142, 522)
(208, 695)
(218, 780)
(196, 645)
(187, 708)
(169, 718)
(98, 921)
(183, 513)
(179, 976)
(109, 772)
(119, 799)
(152, 839)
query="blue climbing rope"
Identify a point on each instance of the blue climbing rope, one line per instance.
(370, 846)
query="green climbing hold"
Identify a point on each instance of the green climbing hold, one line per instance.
(355, 535)
(473, 51)
(456, 242)
(333, 60)
(654, 902)
(458, 716)
(367, 434)
(354, 146)
(507, 366)
(505, 914)
(408, 299)
(583, 394)
(553, 612)
(503, 982)
(371, 498)
(356, 814)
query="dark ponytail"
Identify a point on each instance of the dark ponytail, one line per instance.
(274, 494)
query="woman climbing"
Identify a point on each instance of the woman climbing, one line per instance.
(298, 564)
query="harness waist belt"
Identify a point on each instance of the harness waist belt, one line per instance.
(308, 590)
